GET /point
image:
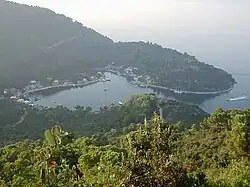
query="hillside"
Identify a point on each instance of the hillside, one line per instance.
(156, 154)
(36, 43)
(110, 121)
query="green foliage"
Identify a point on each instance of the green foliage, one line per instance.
(49, 137)
(156, 153)
(103, 126)
(220, 148)
(152, 157)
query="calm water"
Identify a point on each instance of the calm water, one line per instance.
(118, 89)
(241, 89)
(216, 32)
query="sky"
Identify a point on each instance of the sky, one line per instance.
(216, 31)
(138, 13)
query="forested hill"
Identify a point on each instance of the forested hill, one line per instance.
(36, 43)
(110, 121)
(28, 35)
(156, 154)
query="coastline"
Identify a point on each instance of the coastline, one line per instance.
(61, 87)
(185, 102)
(179, 91)
(190, 92)
(54, 89)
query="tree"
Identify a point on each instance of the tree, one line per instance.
(151, 157)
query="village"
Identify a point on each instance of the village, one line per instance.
(129, 73)
(36, 86)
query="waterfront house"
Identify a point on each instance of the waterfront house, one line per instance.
(55, 83)
(13, 97)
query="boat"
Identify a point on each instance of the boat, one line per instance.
(178, 91)
(36, 99)
(105, 90)
(238, 98)
(120, 103)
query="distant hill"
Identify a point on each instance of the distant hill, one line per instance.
(36, 43)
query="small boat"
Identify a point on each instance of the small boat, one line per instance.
(105, 90)
(36, 99)
(178, 91)
(120, 103)
(238, 98)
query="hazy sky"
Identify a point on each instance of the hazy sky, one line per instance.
(129, 13)
(213, 30)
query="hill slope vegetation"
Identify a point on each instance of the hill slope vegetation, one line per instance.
(215, 153)
(108, 122)
(36, 43)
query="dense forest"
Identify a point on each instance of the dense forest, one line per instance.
(106, 123)
(36, 43)
(213, 153)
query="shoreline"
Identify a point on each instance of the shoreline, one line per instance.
(64, 87)
(187, 103)
(191, 92)
(180, 91)
(60, 88)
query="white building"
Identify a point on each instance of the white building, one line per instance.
(55, 82)
(34, 82)
(26, 102)
(20, 101)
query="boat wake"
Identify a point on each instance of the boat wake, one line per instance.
(238, 98)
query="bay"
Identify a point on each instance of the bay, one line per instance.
(241, 89)
(119, 89)
(95, 95)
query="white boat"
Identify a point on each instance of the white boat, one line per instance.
(120, 103)
(26, 102)
(238, 98)
(178, 91)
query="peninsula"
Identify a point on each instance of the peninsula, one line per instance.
(38, 43)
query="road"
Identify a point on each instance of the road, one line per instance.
(9, 128)
(22, 118)
(63, 41)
